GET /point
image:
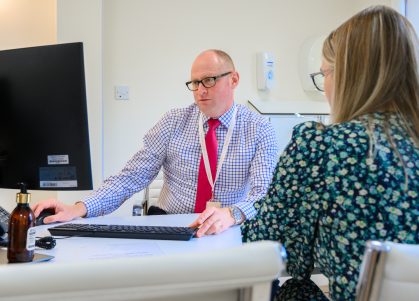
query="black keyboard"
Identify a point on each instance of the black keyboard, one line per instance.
(124, 231)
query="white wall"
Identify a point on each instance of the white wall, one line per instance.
(412, 12)
(81, 21)
(150, 45)
(25, 23)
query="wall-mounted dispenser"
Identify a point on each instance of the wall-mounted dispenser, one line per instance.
(265, 73)
(310, 60)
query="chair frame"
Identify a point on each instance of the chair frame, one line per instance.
(143, 209)
(372, 269)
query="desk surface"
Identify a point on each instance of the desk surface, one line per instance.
(76, 249)
(73, 249)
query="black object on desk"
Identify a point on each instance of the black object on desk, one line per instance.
(4, 221)
(44, 213)
(124, 231)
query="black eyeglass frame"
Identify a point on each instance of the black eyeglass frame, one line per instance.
(197, 82)
(313, 76)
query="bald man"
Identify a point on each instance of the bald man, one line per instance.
(219, 178)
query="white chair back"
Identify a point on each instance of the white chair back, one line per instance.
(389, 271)
(152, 192)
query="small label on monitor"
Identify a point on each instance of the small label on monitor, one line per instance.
(58, 177)
(58, 184)
(58, 159)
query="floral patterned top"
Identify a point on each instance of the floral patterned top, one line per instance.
(331, 192)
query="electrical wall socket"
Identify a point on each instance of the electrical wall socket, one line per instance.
(121, 92)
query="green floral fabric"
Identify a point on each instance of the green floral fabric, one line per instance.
(333, 189)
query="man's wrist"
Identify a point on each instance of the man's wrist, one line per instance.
(81, 209)
(237, 215)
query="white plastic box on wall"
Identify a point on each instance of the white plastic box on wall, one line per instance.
(265, 71)
(310, 60)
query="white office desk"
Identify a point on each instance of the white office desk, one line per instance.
(215, 267)
(87, 248)
(76, 249)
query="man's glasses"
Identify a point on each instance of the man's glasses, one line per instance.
(207, 82)
(318, 79)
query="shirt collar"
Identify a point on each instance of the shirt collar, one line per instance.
(225, 118)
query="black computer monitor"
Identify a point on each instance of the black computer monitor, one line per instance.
(44, 137)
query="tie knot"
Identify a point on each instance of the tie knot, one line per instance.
(213, 123)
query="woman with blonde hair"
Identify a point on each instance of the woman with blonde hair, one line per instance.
(337, 186)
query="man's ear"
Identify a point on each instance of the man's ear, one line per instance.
(235, 78)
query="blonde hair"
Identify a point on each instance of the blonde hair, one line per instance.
(374, 56)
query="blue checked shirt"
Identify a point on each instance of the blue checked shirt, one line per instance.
(173, 143)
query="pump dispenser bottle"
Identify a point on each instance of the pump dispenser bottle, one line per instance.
(21, 229)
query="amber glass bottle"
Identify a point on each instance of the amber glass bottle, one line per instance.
(21, 232)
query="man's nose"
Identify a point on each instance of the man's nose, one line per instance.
(202, 89)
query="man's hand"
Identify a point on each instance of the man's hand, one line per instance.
(213, 221)
(63, 212)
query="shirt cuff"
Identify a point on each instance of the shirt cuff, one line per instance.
(247, 209)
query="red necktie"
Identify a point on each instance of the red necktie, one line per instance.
(204, 190)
